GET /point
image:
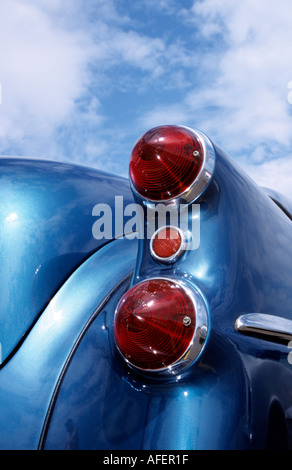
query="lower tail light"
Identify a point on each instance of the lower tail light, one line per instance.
(160, 324)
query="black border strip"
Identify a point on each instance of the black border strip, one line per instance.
(283, 209)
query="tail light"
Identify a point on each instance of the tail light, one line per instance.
(160, 324)
(170, 162)
(167, 244)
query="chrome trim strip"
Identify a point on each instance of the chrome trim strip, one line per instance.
(272, 326)
(204, 177)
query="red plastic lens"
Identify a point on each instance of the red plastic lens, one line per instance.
(165, 162)
(167, 242)
(154, 324)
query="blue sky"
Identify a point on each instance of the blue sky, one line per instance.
(81, 80)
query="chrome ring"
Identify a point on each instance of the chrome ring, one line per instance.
(173, 258)
(199, 337)
(201, 182)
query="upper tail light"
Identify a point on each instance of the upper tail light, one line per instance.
(160, 324)
(170, 162)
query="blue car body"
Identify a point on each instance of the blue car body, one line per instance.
(64, 385)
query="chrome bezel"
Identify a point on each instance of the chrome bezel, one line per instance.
(201, 182)
(197, 342)
(173, 258)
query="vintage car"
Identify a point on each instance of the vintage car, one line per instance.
(153, 313)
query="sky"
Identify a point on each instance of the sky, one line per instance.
(82, 80)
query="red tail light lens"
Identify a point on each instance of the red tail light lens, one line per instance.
(155, 324)
(167, 244)
(165, 162)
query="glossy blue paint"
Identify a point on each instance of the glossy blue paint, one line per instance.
(121, 410)
(66, 386)
(283, 202)
(28, 380)
(226, 400)
(46, 232)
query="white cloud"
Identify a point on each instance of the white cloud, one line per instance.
(242, 98)
(42, 71)
(274, 174)
(58, 60)
(165, 114)
(226, 72)
(252, 75)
